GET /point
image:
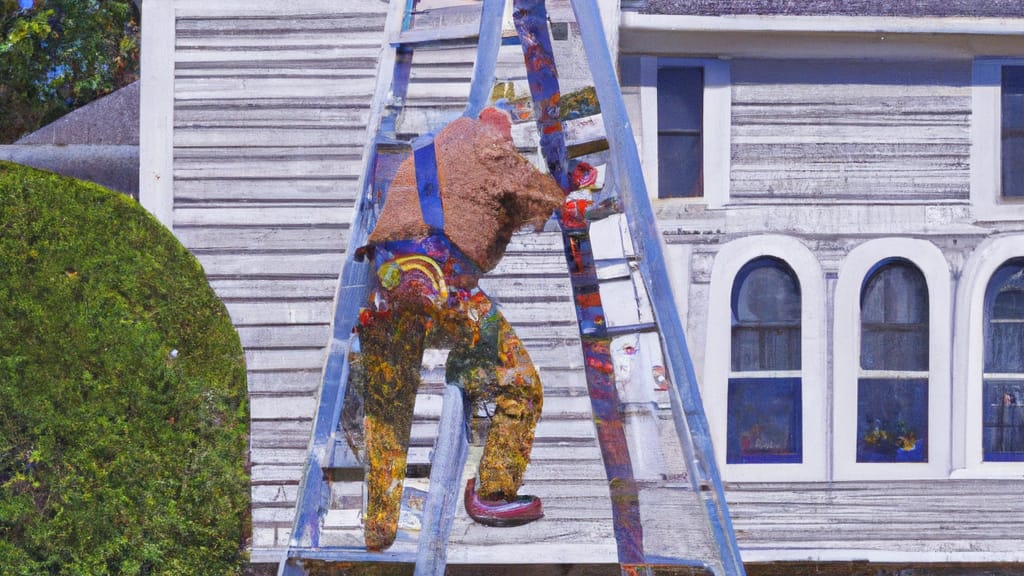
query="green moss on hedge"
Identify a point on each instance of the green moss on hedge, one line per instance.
(117, 454)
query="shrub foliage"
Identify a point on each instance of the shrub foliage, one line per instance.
(123, 413)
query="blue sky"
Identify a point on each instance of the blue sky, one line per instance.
(25, 3)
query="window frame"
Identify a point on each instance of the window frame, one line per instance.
(891, 376)
(763, 376)
(715, 126)
(986, 142)
(846, 360)
(982, 264)
(729, 261)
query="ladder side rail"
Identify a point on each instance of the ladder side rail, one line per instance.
(488, 45)
(353, 282)
(647, 242)
(451, 449)
(531, 22)
(450, 453)
(350, 295)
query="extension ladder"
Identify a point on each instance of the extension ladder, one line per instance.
(637, 264)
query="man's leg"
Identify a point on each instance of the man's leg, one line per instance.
(496, 367)
(518, 402)
(392, 353)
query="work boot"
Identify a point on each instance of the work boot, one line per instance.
(501, 513)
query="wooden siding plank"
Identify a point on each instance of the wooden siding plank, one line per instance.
(268, 167)
(337, 189)
(332, 24)
(285, 336)
(273, 215)
(251, 8)
(280, 136)
(293, 112)
(263, 237)
(246, 88)
(274, 288)
(287, 382)
(323, 265)
(279, 312)
(286, 358)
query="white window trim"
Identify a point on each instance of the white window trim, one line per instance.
(970, 360)
(716, 126)
(718, 354)
(846, 359)
(986, 141)
(156, 112)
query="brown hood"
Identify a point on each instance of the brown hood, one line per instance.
(487, 188)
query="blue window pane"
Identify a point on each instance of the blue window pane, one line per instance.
(1013, 164)
(680, 166)
(766, 317)
(1013, 131)
(892, 420)
(1003, 424)
(1004, 319)
(766, 291)
(765, 349)
(680, 142)
(680, 99)
(765, 421)
(894, 318)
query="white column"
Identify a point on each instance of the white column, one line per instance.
(156, 111)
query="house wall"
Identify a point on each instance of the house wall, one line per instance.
(832, 157)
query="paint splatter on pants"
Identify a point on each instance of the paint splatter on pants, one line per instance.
(414, 305)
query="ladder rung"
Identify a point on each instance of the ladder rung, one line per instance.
(431, 36)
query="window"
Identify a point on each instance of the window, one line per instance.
(764, 406)
(683, 107)
(1003, 387)
(892, 390)
(990, 357)
(1012, 134)
(891, 362)
(997, 139)
(680, 145)
(764, 381)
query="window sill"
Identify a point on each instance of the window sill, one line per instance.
(990, 471)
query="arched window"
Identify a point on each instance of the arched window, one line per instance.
(764, 397)
(1003, 388)
(892, 387)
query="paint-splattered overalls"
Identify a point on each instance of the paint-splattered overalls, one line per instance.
(426, 291)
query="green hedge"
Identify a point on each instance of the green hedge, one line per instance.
(123, 414)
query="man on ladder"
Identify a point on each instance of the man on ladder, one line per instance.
(450, 212)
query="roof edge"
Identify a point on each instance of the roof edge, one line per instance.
(944, 25)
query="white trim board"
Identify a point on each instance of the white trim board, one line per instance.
(156, 112)
(986, 141)
(717, 363)
(846, 358)
(716, 127)
(828, 24)
(970, 359)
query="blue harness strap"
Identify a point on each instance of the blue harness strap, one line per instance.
(425, 159)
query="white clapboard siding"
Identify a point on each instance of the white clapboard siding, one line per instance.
(940, 517)
(852, 130)
(272, 103)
